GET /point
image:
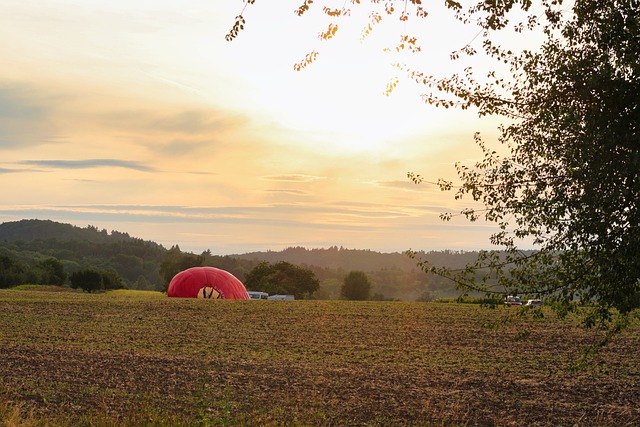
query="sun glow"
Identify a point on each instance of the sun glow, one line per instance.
(118, 104)
(340, 100)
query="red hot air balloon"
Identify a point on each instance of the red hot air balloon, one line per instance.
(206, 282)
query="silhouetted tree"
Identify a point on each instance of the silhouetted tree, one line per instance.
(111, 280)
(282, 278)
(50, 272)
(87, 280)
(12, 273)
(175, 261)
(356, 286)
(568, 178)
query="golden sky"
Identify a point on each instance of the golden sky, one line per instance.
(138, 116)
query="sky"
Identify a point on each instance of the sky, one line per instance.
(139, 116)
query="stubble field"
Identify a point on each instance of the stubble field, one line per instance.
(128, 358)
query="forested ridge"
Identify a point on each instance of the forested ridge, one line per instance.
(28, 245)
(359, 259)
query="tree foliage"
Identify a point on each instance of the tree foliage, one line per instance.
(50, 272)
(87, 280)
(47, 272)
(570, 181)
(111, 280)
(92, 280)
(34, 242)
(282, 278)
(175, 261)
(566, 181)
(12, 273)
(356, 286)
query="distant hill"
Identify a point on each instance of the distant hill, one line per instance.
(32, 241)
(36, 229)
(334, 257)
(138, 262)
(360, 259)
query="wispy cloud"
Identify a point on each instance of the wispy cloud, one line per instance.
(291, 214)
(24, 117)
(14, 170)
(277, 191)
(234, 229)
(403, 185)
(120, 114)
(88, 163)
(15, 104)
(188, 122)
(202, 173)
(292, 178)
(182, 147)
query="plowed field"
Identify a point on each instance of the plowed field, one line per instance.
(140, 359)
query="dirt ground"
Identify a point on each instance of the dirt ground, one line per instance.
(308, 363)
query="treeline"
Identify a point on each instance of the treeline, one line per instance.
(35, 229)
(136, 261)
(47, 252)
(47, 272)
(392, 275)
(359, 259)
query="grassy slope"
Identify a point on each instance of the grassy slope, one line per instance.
(142, 359)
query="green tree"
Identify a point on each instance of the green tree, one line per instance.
(111, 280)
(263, 278)
(87, 280)
(12, 273)
(282, 278)
(569, 183)
(356, 286)
(50, 272)
(176, 261)
(128, 266)
(143, 284)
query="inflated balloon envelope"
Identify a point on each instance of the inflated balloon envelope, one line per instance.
(206, 282)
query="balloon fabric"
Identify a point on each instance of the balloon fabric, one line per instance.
(206, 282)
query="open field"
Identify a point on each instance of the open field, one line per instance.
(128, 358)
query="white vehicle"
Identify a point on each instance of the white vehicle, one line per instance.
(534, 303)
(282, 297)
(513, 300)
(254, 295)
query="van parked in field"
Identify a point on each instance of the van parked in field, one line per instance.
(254, 295)
(282, 297)
(513, 300)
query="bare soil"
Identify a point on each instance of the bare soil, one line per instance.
(308, 363)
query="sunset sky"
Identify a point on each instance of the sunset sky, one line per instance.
(138, 116)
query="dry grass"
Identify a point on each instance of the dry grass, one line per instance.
(136, 359)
